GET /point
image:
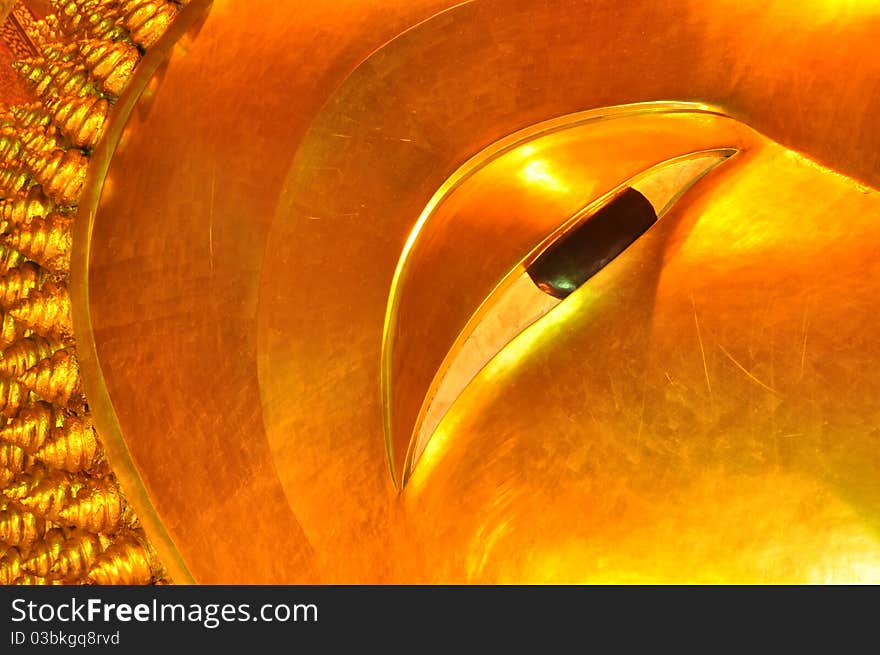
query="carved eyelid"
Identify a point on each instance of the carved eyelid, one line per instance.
(557, 267)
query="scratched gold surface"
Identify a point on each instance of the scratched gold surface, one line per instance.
(212, 218)
(703, 410)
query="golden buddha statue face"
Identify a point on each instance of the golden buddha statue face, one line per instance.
(493, 292)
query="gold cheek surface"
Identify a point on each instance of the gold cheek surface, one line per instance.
(704, 409)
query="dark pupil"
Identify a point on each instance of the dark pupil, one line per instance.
(582, 252)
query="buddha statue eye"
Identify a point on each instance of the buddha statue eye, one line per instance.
(556, 268)
(585, 250)
(606, 228)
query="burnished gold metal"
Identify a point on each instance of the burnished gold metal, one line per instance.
(703, 409)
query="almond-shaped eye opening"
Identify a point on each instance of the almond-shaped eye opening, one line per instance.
(583, 251)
